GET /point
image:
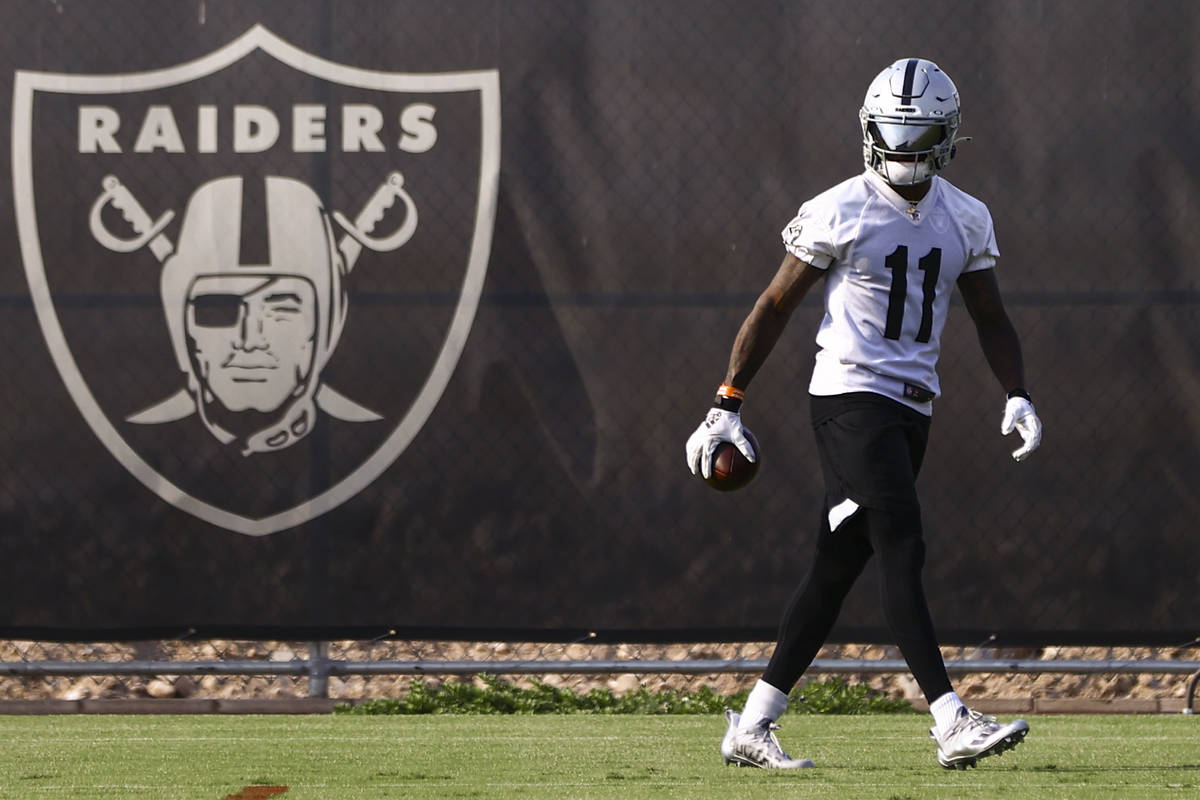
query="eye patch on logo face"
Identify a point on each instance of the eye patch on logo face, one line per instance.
(216, 310)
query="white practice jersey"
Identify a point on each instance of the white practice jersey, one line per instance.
(892, 268)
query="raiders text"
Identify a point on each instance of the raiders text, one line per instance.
(256, 129)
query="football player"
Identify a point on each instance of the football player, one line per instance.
(890, 245)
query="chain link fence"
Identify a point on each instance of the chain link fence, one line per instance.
(349, 672)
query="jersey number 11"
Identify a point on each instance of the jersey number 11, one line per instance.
(897, 262)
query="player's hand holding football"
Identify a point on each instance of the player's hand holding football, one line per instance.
(718, 426)
(1019, 416)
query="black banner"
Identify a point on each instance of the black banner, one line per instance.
(392, 318)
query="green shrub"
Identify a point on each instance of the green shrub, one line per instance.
(496, 696)
(835, 696)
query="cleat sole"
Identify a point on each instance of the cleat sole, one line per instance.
(735, 761)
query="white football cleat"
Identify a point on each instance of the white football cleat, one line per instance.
(973, 736)
(756, 747)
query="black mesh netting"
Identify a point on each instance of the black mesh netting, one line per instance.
(648, 156)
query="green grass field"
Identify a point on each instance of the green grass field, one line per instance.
(575, 756)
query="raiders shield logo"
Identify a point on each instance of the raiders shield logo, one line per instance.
(256, 271)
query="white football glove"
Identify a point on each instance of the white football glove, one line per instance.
(1019, 416)
(718, 426)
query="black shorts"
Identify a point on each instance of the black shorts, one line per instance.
(871, 449)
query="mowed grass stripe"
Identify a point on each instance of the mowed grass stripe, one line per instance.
(576, 756)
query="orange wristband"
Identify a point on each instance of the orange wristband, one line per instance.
(725, 390)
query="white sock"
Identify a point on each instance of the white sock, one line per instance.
(945, 710)
(764, 705)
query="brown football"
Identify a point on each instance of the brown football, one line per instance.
(730, 469)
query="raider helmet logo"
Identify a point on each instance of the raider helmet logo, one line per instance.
(252, 335)
(250, 222)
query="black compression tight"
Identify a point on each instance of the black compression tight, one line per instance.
(896, 541)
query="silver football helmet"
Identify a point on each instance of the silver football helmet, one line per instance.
(910, 119)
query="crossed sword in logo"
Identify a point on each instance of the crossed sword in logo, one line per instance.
(149, 233)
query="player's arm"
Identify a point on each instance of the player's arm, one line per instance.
(1002, 349)
(755, 340)
(997, 336)
(766, 321)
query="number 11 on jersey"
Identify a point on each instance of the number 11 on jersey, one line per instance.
(897, 262)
